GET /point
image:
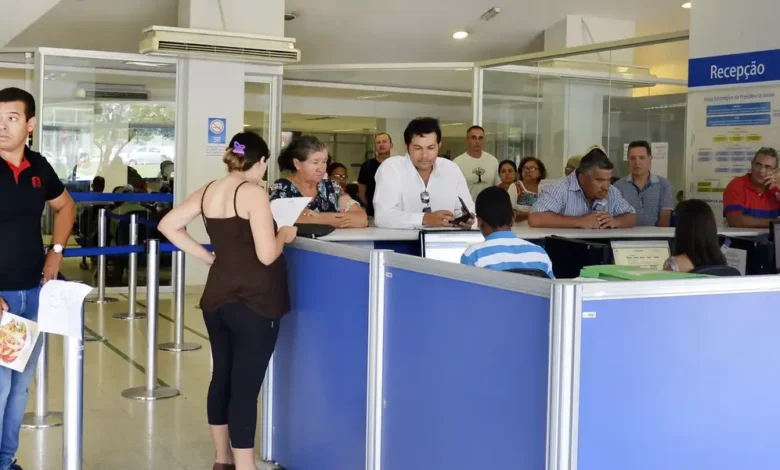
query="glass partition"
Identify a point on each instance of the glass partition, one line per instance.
(558, 108)
(111, 116)
(345, 107)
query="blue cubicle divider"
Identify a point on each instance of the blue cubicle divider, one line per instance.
(465, 375)
(320, 365)
(680, 383)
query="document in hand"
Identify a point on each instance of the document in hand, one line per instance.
(59, 308)
(17, 340)
(286, 211)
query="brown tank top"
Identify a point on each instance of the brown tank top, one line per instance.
(237, 276)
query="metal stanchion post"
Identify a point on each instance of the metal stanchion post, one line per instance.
(72, 440)
(41, 418)
(133, 275)
(151, 391)
(178, 344)
(101, 272)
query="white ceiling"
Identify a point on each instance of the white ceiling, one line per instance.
(349, 31)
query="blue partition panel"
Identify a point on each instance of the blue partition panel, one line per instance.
(465, 375)
(321, 365)
(680, 383)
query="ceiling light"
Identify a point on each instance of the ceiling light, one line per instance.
(686, 5)
(490, 14)
(460, 35)
(622, 69)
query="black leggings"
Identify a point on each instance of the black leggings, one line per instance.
(241, 345)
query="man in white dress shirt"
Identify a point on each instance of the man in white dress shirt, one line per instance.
(479, 167)
(419, 188)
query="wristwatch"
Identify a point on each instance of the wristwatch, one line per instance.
(57, 248)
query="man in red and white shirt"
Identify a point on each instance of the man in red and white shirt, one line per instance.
(753, 200)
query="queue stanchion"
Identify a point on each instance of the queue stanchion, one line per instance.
(178, 344)
(132, 284)
(101, 271)
(73, 397)
(41, 417)
(152, 390)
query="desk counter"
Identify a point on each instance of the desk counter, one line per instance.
(524, 231)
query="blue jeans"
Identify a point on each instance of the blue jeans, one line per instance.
(13, 385)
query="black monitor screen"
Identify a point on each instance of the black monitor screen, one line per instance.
(774, 234)
(569, 255)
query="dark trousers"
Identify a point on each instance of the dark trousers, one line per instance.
(242, 343)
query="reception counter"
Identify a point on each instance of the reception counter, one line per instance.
(396, 362)
(407, 241)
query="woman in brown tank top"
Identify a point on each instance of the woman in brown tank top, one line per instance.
(245, 295)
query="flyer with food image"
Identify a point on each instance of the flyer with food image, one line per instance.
(17, 339)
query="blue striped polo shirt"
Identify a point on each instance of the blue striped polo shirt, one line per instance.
(565, 197)
(503, 251)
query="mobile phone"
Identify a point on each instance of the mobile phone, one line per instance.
(466, 215)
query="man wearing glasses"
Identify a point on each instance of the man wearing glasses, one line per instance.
(649, 194)
(419, 188)
(753, 200)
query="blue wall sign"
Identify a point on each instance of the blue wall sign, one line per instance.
(734, 69)
(218, 131)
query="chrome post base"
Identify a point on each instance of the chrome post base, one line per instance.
(106, 300)
(179, 347)
(144, 394)
(127, 316)
(50, 420)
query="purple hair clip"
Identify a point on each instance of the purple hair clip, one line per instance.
(238, 148)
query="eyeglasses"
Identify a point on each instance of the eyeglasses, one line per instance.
(339, 177)
(425, 198)
(530, 169)
(764, 167)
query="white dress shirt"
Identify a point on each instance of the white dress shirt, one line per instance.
(397, 201)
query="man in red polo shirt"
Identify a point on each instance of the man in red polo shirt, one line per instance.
(27, 183)
(753, 200)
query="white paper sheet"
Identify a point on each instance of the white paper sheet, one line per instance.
(287, 210)
(59, 308)
(735, 258)
(17, 340)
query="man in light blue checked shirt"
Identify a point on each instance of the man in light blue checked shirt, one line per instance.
(584, 199)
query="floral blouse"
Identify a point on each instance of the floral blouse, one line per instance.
(526, 198)
(327, 199)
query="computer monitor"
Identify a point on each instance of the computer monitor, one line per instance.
(759, 254)
(646, 254)
(447, 245)
(569, 255)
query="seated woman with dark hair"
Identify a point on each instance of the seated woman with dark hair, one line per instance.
(695, 238)
(306, 158)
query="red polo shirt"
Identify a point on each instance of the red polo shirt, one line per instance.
(24, 191)
(743, 197)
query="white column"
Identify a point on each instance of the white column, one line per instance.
(573, 113)
(213, 89)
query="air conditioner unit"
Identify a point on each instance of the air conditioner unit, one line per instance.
(164, 40)
(112, 92)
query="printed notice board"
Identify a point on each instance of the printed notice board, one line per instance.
(217, 131)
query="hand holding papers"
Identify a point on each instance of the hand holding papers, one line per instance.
(59, 309)
(286, 211)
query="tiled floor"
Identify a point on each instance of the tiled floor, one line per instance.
(124, 434)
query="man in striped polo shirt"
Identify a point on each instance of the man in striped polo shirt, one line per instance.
(584, 199)
(502, 250)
